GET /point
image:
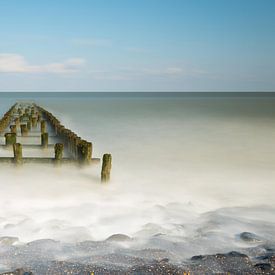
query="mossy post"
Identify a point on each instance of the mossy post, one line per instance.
(58, 151)
(84, 152)
(24, 130)
(43, 126)
(34, 122)
(17, 152)
(44, 140)
(13, 129)
(76, 144)
(17, 122)
(29, 125)
(10, 139)
(106, 168)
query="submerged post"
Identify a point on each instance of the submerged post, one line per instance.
(44, 140)
(10, 138)
(43, 126)
(17, 121)
(13, 129)
(58, 150)
(106, 168)
(29, 125)
(17, 152)
(34, 122)
(24, 130)
(84, 152)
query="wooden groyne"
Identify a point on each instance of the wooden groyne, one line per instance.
(26, 121)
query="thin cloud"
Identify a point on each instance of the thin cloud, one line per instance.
(127, 73)
(15, 63)
(92, 42)
(136, 50)
(174, 72)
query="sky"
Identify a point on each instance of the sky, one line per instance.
(137, 45)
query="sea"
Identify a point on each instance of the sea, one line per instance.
(191, 172)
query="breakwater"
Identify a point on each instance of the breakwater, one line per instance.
(26, 120)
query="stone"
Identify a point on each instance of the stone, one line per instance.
(118, 238)
(6, 240)
(250, 237)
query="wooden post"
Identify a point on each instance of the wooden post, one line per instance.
(29, 125)
(34, 122)
(24, 130)
(13, 129)
(44, 140)
(43, 126)
(106, 167)
(17, 121)
(58, 150)
(84, 152)
(77, 141)
(17, 152)
(10, 138)
(89, 150)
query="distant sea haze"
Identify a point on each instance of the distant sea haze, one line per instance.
(193, 167)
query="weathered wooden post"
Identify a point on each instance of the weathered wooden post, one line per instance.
(17, 152)
(77, 141)
(43, 126)
(17, 121)
(24, 130)
(58, 150)
(44, 140)
(34, 122)
(84, 152)
(13, 129)
(89, 149)
(10, 138)
(106, 168)
(29, 125)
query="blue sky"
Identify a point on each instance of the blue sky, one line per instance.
(137, 45)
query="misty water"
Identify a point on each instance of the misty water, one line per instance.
(190, 173)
